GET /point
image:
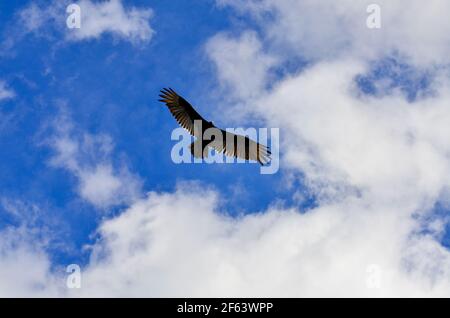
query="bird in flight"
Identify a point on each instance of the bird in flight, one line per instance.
(221, 141)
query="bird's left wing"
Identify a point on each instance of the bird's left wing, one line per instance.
(183, 112)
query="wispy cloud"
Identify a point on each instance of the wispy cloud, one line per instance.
(5, 91)
(88, 158)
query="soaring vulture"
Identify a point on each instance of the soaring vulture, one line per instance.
(232, 145)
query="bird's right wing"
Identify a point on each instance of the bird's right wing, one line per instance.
(240, 146)
(183, 112)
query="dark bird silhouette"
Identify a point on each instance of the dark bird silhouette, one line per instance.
(231, 144)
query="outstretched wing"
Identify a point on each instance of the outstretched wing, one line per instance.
(183, 112)
(232, 145)
(239, 146)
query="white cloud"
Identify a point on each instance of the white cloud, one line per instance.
(179, 245)
(241, 58)
(25, 273)
(25, 267)
(87, 156)
(375, 144)
(97, 18)
(383, 161)
(99, 185)
(33, 17)
(329, 29)
(339, 139)
(5, 92)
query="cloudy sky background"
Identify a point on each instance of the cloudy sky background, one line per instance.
(360, 206)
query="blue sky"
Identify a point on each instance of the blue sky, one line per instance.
(99, 93)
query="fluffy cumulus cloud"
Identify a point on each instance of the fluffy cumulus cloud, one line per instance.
(23, 272)
(112, 17)
(96, 19)
(237, 60)
(389, 154)
(88, 157)
(180, 245)
(25, 269)
(330, 29)
(386, 147)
